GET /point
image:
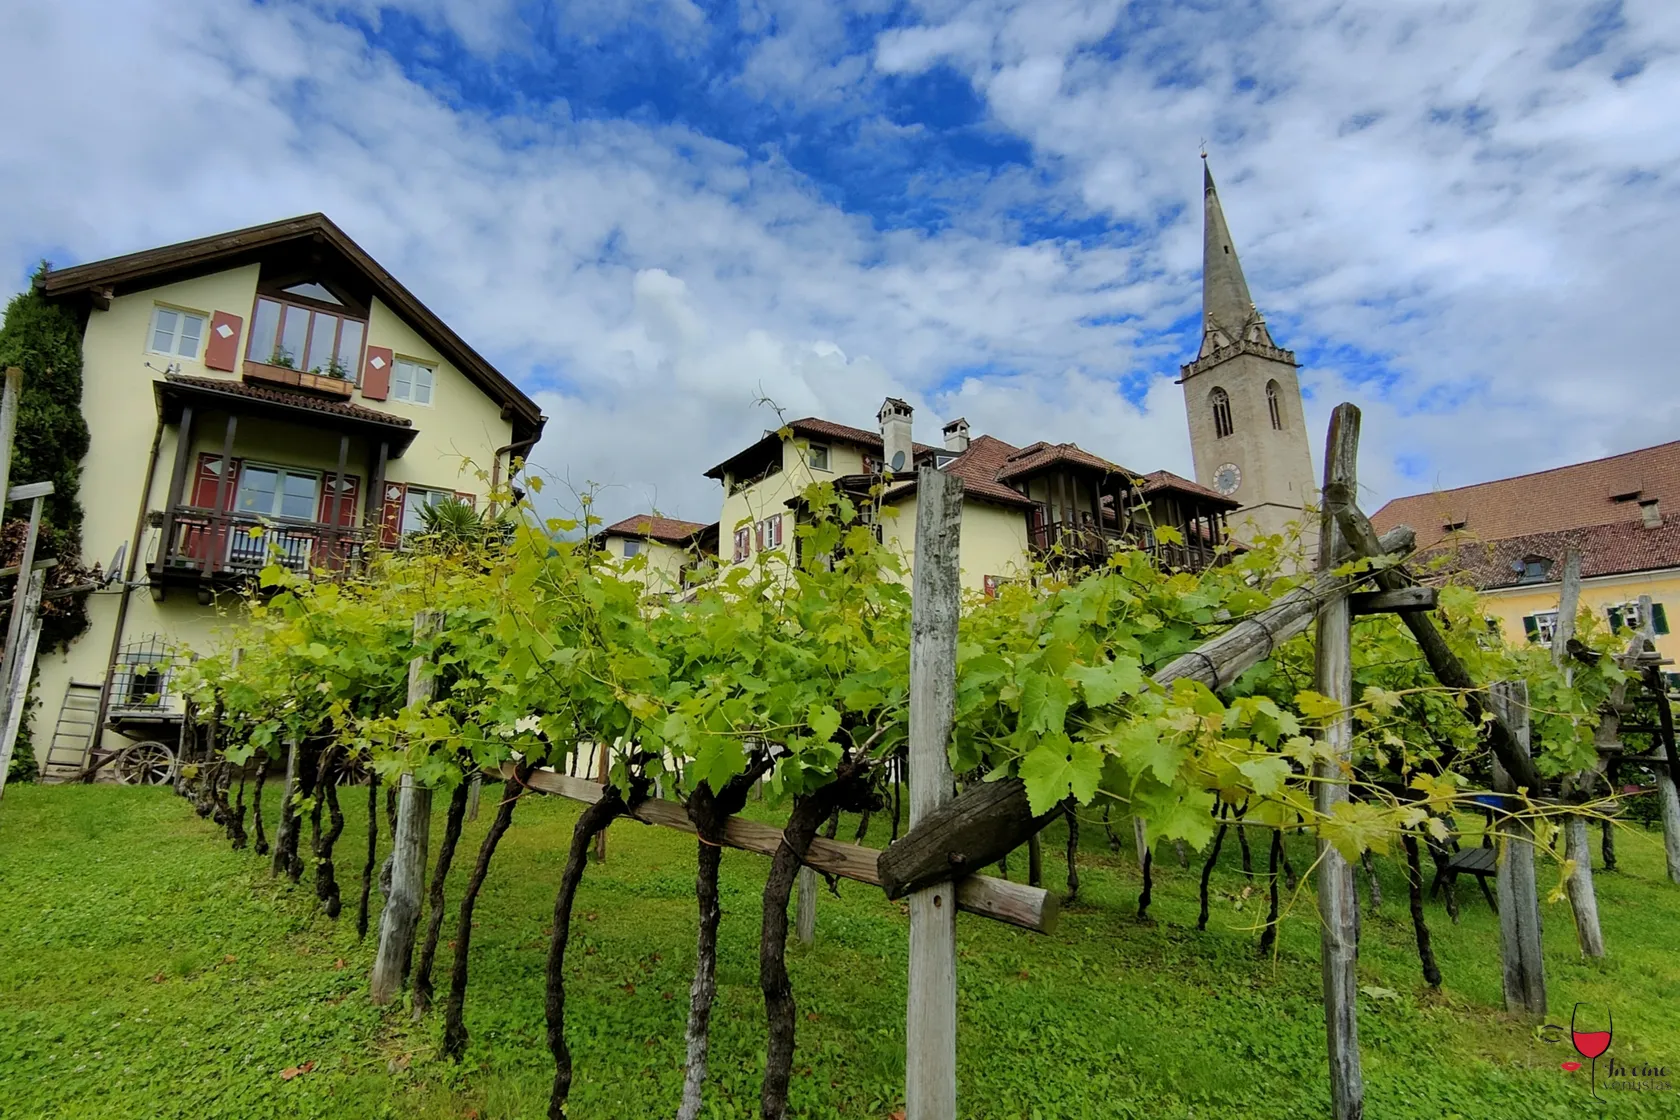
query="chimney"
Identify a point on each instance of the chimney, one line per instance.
(1649, 515)
(898, 454)
(956, 435)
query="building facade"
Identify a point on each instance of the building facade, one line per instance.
(270, 394)
(1510, 538)
(672, 555)
(1248, 434)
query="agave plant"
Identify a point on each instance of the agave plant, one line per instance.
(453, 520)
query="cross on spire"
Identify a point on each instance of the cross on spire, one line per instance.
(1228, 311)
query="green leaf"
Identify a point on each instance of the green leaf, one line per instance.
(1057, 767)
(1266, 775)
(1044, 702)
(1106, 683)
(824, 721)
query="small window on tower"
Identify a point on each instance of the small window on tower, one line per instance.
(1221, 401)
(1274, 405)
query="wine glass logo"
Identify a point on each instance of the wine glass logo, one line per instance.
(1590, 1044)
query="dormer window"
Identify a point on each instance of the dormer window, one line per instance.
(1533, 569)
(1452, 526)
(305, 338)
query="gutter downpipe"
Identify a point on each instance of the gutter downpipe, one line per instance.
(496, 463)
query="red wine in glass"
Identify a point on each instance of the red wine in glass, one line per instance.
(1590, 1044)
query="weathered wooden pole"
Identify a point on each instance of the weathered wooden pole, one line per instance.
(930, 1062)
(602, 772)
(805, 907)
(21, 669)
(1519, 898)
(284, 831)
(400, 920)
(1577, 847)
(1337, 906)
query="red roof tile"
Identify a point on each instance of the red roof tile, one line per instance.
(650, 526)
(1572, 497)
(286, 397)
(1156, 482)
(1041, 455)
(1606, 550)
(821, 429)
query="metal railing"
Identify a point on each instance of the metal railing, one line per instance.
(217, 543)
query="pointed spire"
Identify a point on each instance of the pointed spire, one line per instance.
(1227, 308)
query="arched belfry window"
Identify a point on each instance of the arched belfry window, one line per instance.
(1221, 401)
(1274, 405)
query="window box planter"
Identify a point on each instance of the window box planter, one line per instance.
(261, 373)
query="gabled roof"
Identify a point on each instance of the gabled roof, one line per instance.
(1598, 492)
(652, 527)
(1606, 550)
(1041, 455)
(814, 427)
(310, 234)
(1160, 482)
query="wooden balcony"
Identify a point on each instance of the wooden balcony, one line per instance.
(1087, 544)
(261, 373)
(204, 544)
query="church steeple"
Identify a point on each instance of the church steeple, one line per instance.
(1228, 311)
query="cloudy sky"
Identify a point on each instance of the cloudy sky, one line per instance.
(1464, 216)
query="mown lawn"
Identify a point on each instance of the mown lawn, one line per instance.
(148, 971)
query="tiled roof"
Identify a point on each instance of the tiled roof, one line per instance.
(1606, 550)
(978, 467)
(821, 429)
(294, 400)
(1156, 482)
(1041, 455)
(650, 526)
(1571, 497)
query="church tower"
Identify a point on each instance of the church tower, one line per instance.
(1247, 431)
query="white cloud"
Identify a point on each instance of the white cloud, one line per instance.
(1420, 185)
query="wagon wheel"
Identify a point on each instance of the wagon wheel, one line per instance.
(351, 772)
(146, 764)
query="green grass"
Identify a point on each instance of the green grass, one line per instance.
(148, 971)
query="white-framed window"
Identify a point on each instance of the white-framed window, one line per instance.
(416, 500)
(817, 456)
(278, 492)
(743, 543)
(176, 333)
(1545, 626)
(632, 548)
(411, 381)
(768, 533)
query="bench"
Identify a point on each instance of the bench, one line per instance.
(1483, 863)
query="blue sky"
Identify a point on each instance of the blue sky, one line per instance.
(1460, 214)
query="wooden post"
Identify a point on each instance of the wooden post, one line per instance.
(1519, 898)
(1583, 896)
(930, 1061)
(288, 819)
(805, 907)
(9, 398)
(401, 917)
(22, 670)
(602, 772)
(474, 792)
(1337, 906)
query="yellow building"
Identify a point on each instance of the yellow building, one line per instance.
(1510, 538)
(1019, 503)
(667, 555)
(273, 376)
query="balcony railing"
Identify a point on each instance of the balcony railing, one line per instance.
(212, 543)
(1092, 544)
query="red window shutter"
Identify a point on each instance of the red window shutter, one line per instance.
(758, 537)
(340, 507)
(221, 350)
(390, 514)
(204, 482)
(471, 500)
(376, 373)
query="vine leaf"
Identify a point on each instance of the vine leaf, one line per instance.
(1058, 766)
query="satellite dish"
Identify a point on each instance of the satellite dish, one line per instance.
(114, 571)
(898, 461)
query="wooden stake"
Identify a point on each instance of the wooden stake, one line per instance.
(1583, 896)
(1519, 898)
(288, 818)
(805, 907)
(1337, 905)
(22, 671)
(602, 771)
(930, 1065)
(400, 920)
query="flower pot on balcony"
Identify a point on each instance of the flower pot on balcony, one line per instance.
(262, 373)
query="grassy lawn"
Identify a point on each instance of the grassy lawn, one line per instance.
(148, 971)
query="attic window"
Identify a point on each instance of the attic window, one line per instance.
(1453, 526)
(315, 292)
(1532, 569)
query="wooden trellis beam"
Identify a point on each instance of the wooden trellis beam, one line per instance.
(1015, 904)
